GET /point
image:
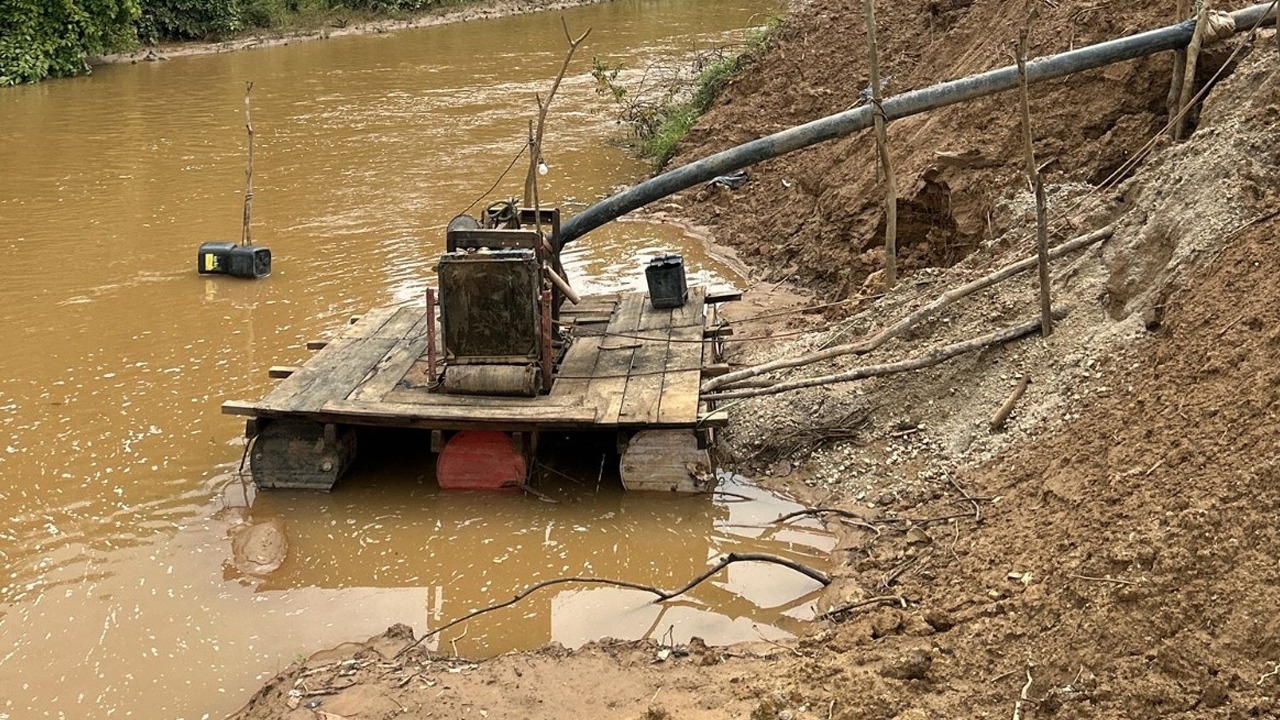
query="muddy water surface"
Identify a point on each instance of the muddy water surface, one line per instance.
(120, 595)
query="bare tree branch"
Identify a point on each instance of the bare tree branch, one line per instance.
(724, 562)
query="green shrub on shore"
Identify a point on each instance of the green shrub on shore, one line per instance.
(39, 38)
(53, 38)
(660, 113)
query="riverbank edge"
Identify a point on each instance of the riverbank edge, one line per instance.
(269, 37)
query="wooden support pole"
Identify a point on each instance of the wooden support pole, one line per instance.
(882, 146)
(563, 285)
(535, 135)
(1037, 184)
(547, 359)
(246, 238)
(1181, 12)
(1189, 71)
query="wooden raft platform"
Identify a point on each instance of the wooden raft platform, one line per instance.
(629, 366)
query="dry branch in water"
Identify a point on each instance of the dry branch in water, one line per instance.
(869, 344)
(724, 562)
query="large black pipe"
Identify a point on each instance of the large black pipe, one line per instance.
(905, 105)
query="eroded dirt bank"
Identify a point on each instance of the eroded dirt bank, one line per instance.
(1111, 553)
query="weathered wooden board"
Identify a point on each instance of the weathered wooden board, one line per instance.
(683, 376)
(324, 361)
(617, 349)
(410, 414)
(574, 376)
(393, 366)
(355, 361)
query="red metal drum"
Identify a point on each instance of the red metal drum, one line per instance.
(481, 460)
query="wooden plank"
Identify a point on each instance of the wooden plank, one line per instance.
(409, 415)
(391, 369)
(683, 378)
(435, 417)
(280, 372)
(320, 363)
(713, 418)
(590, 319)
(643, 393)
(242, 408)
(722, 296)
(573, 379)
(344, 370)
(421, 396)
(609, 378)
(642, 397)
(692, 312)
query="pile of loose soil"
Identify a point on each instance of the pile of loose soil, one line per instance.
(1112, 551)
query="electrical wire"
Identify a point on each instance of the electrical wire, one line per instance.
(514, 160)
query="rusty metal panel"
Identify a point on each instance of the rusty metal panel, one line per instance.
(489, 306)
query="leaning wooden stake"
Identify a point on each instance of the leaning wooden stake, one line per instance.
(933, 357)
(873, 342)
(1189, 71)
(1033, 176)
(882, 145)
(245, 237)
(1182, 10)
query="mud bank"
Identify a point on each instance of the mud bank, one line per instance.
(1107, 553)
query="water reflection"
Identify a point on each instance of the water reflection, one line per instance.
(389, 526)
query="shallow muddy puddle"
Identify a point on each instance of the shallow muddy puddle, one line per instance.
(440, 555)
(119, 594)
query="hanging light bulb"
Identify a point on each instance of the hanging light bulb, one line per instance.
(542, 166)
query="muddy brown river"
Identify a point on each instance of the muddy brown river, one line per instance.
(139, 576)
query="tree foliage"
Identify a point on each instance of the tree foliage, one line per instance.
(52, 38)
(42, 38)
(190, 19)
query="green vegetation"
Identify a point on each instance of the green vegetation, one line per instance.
(664, 103)
(39, 38)
(53, 38)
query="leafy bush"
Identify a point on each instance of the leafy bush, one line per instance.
(39, 39)
(665, 102)
(189, 19)
(385, 5)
